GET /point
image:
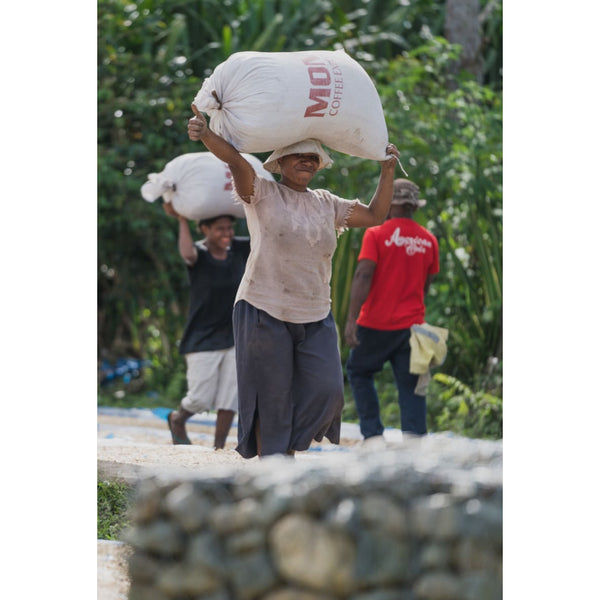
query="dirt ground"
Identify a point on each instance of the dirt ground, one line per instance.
(113, 582)
(133, 443)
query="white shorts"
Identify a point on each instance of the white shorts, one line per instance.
(212, 381)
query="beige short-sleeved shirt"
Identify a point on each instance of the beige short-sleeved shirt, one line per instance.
(292, 241)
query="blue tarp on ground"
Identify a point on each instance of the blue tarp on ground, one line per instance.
(348, 430)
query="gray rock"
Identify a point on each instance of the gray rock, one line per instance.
(435, 516)
(230, 518)
(312, 555)
(435, 556)
(294, 593)
(321, 497)
(481, 586)
(218, 595)
(142, 567)
(474, 555)
(439, 585)
(139, 591)
(184, 580)
(381, 559)
(204, 550)
(252, 575)
(147, 502)
(275, 504)
(380, 512)
(482, 519)
(247, 541)
(161, 537)
(386, 594)
(188, 508)
(345, 515)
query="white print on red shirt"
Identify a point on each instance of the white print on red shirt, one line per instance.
(412, 244)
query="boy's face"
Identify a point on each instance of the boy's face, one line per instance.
(220, 233)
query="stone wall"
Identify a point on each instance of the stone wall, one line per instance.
(421, 521)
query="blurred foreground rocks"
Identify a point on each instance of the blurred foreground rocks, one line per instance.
(419, 521)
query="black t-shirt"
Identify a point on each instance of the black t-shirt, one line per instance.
(213, 286)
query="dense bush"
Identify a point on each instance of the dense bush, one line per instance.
(113, 501)
(453, 406)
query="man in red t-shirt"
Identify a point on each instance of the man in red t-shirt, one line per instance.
(396, 265)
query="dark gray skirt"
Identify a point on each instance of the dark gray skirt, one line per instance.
(290, 377)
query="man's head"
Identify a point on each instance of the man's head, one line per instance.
(407, 192)
(405, 199)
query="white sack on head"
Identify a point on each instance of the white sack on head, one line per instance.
(199, 185)
(262, 101)
(156, 186)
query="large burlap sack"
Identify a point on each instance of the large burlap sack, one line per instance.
(199, 185)
(261, 101)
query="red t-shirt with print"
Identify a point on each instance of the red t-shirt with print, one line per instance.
(405, 253)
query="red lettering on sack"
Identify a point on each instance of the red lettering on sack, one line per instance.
(312, 59)
(319, 76)
(228, 184)
(316, 94)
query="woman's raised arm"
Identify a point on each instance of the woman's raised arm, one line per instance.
(377, 210)
(241, 170)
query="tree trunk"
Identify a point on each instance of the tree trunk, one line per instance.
(463, 27)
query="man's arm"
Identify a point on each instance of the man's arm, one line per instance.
(361, 285)
(428, 282)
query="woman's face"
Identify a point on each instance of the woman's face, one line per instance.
(299, 166)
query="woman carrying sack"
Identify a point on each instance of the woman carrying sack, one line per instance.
(290, 380)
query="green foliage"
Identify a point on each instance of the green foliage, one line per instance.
(113, 500)
(454, 406)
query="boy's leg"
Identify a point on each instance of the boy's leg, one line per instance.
(202, 376)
